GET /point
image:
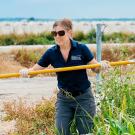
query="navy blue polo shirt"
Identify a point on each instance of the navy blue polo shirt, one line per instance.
(70, 80)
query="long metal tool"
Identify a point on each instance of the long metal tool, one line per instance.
(118, 63)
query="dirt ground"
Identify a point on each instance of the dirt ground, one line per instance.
(30, 90)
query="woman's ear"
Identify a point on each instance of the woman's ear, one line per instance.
(70, 34)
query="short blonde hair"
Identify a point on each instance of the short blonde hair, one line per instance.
(65, 23)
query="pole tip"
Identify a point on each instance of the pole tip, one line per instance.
(133, 60)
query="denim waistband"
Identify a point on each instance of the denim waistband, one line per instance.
(75, 93)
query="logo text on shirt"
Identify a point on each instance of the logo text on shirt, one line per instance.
(76, 57)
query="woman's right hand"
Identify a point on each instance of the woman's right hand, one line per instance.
(24, 72)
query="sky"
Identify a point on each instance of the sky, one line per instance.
(57, 9)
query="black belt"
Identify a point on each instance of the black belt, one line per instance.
(72, 94)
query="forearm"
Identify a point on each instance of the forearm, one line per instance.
(25, 72)
(34, 68)
(97, 69)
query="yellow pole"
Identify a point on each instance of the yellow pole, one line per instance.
(118, 63)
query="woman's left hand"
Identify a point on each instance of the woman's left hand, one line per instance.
(105, 65)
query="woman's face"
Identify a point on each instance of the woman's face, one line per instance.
(61, 35)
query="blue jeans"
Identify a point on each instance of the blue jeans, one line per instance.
(81, 108)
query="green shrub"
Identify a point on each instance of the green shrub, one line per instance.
(27, 39)
(7, 39)
(116, 37)
(117, 106)
(47, 38)
(131, 38)
(91, 36)
(79, 36)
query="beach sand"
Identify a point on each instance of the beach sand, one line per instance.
(38, 27)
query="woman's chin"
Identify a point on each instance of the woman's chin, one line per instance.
(59, 43)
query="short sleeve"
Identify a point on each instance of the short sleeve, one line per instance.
(45, 59)
(87, 54)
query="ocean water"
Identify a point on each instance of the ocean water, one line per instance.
(77, 20)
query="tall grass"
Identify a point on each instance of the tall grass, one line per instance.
(114, 53)
(120, 52)
(32, 120)
(8, 64)
(27, 57)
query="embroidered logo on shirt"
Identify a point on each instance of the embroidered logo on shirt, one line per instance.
(76, 57)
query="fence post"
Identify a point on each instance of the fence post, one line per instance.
(98, 53)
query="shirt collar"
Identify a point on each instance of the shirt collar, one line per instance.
(73, 43)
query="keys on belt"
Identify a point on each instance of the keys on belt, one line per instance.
(73, 94)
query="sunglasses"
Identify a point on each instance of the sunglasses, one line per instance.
(60, 33)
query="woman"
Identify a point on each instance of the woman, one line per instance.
(74, 99)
